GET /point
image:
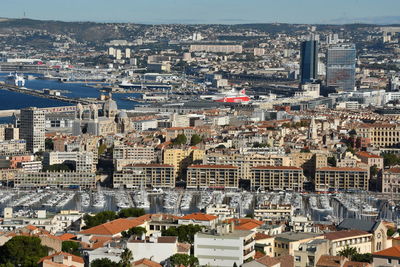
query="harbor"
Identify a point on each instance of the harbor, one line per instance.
(328, 208)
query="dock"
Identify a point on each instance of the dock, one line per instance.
(43, 95)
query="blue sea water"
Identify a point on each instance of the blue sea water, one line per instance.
(13, 100)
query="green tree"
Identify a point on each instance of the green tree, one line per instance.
(196, 139)
(71, 247)
(104, 262)
(250, 215)
(183, 259)
(99, 218)
(185, 233)
(181, 139)
(23, 251)
(234, 264)
(390, 232)
(49, 144)
(131, 212)
(102, 148)
(332, 161)
(348, 252)
(126, 258)
(390, 159)
(138, 231)
(373, 170)
(58, 167)
(366, 257)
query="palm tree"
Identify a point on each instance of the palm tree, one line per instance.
(348, 252)
(126, 257)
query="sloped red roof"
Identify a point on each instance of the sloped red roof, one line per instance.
(199, 217)
(389, 252)
(115, 226)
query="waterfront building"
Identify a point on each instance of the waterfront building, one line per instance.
(341, 67)
(390, 181)
(145, 175)
(277, 178)
(124, 155)
(274, 212)
(32, 129)
(309, 61)
(246, 161)
(341, 178)
(212, 176)
(55, 179)
(181, 158)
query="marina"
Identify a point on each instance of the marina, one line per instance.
(320, 207)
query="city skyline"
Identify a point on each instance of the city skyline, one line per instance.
(207, 11)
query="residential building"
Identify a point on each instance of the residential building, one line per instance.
(246, 161)
(378, 229)
(371, 159)
(273, 212)
(82, 161)
(207, 220)
(309, 253)
(55, 179)
(277, 178)
(360, 240)
(341, 178)
(224, 248)
(390, 181)
(124, 155)
(32, 129)
(157, 248)
(12, 146)
(216, 48)
(380, 134)
(181, 158)
(389, 257)
(145, 175)
(287, 243)
(61, 259)
(212, 176)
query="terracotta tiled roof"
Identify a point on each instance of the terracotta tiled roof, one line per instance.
(393, 170)
(367, 155)
(285, 261)
(330, 261)
(389, 252)
(247, 226)
(212, 167)
(146, 262)
(183, 247)
(258, 255)
(199, 217)
(66, 255)
(116, 226)
(344, 234)
(66, 236)
(277, 168)
(341, 169)
(260, 236)
(355, 264)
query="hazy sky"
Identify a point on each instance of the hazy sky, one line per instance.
(205, 11)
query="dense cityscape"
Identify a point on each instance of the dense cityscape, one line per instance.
(126, 144)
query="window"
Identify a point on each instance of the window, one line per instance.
(389, 261)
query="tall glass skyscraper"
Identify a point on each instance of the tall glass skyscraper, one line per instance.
(341, 67)
(309, 61)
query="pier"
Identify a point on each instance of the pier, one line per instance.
(43, 95)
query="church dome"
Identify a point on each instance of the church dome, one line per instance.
(122, 115)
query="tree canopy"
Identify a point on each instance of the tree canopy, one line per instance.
(131, 212)
(390, 159)
(185, 233)
(196, 139)
(126, 258)
(181, 139)
(71, 247)
(183, 259)
(23, 251)
(138, 231)
(104, 262)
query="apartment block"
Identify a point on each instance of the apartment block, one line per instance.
(277, 178)
(212, 176)
(148, 175)
(380, 135)
(341, 178)
(55, 179)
